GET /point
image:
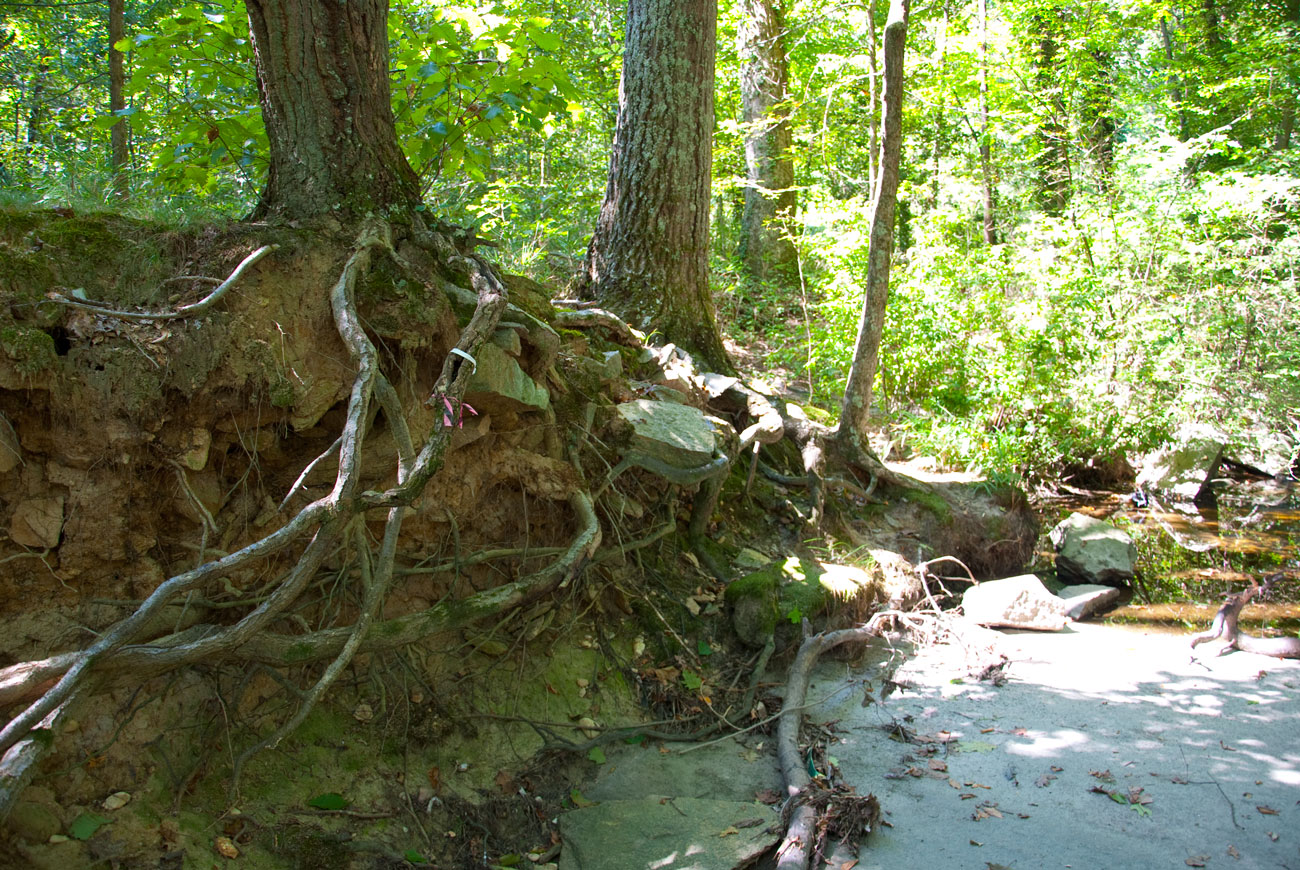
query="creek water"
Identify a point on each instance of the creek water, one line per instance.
(1189, 558)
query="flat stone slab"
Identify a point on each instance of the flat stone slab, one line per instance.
(499, 380)
(666, 833)
(679, 435)
(1087, 599)
(1014, 602)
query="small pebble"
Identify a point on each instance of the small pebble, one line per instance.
(117, 800)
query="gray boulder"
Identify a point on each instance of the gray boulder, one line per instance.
(1015, 602)
(1270, 453)
(1087, 599)
(1091, 551)
(1181, 471)
(500, 385)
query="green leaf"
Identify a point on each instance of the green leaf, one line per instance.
(974, 746)
(413, 856)
(634, 740)
(510, 860)
(597, 755)
(703, 648)
(795, 615)
(329, 801)
(691, 680)
(578, 800)
(85, 826)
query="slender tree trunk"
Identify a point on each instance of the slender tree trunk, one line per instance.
(119, 132)
(322, 71)
(873, 76)
(649, 256)
(1053, 140)
(1176, 92)
(768, 222)
(1098, 111)
(866, 356)
(986, 144)
(1286, 117)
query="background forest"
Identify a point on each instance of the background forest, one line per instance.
(1098, 225)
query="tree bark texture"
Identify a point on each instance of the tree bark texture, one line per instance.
(866, 355)
(322, 71)
(1286, 116)
(119, 132)
(1053, 140)
(986, 144)
(770, 202)
(648, 258)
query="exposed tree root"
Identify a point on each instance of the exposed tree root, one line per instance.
(808, 801)
(318, 528)
(1224, 627)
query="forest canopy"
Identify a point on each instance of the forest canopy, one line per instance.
(1096, 236)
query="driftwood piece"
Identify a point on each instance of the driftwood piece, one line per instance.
(1225, 628)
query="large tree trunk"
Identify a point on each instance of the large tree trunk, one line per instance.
(857, 394)
(649, 257)
(322, 70)
(767, 225)
(119, 132)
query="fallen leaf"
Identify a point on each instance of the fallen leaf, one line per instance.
(955, 784)
(749, 755)
(936, 764)
(915, 771)
(987, 730)
(1265, 810)
(227, 847)
(767, 796)
(693, 606)
(1197, 860)
(977, 785)
(1056, 769)
(1226, 747)
(976, 843)
(1103, 775)
(975, 746)
(727, 832)
(1233, 853)
(849, 865)
(504, 781)
(1179, 780)
(1044, 781)
(966, 795)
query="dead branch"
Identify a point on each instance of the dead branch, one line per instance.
(1225, 627)
(183, 311)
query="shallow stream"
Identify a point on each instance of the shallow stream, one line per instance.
(1188, 559)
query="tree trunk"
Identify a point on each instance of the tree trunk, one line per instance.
(1053, 141)
(322, 71)
(119, 132)
(767, 225)
(873, 76)
(857, 394)
(649, 257)
(1176, 92)
(986, 145)
(1286, 118)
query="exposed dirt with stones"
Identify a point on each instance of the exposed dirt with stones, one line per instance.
(130, 452)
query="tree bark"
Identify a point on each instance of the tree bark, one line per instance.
(119, 132)
(770, 202)
(986, 144)
(1286, 117)
(648, 259)
(1053, 142)
(857, 394)
(322, 72)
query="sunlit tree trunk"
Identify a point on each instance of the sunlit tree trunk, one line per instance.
(767, 224)
(1286, 119)
(119, 132)
(648, 259)
(1053, 139)
(986, 143)
(1098, 116)
(322, 72)
(866, 356)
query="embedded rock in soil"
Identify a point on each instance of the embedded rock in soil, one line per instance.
(499, 384)
(1087, 599)
(1015, 602)
(1091, 551)
(11, 454)
(676, 434)
(665, 832)
(1182, 469)
(37, 522)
